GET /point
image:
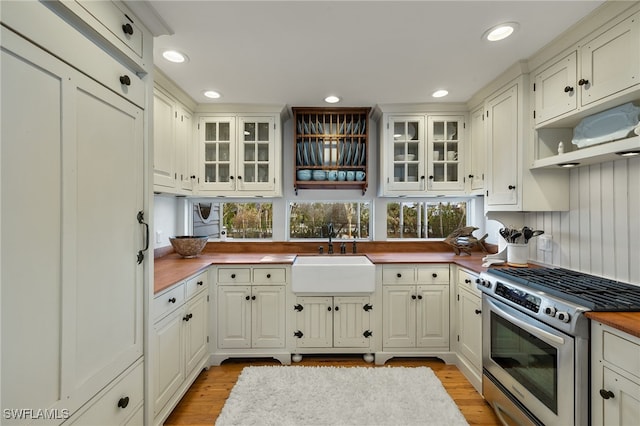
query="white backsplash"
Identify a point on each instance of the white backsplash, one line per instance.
(600, 234)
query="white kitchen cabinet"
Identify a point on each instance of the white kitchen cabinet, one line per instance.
(179, 341)
(333, 322)
(510, 184)
(415, 311)
(81, 174)
(477, 151)
(603, 65)
(445, 143)
(504, 131)
(240, 155)
(251, 313)
(173, 165)
(422, 153)
(469, 336)
(615, 376)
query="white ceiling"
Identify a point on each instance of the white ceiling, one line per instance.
(366, 52)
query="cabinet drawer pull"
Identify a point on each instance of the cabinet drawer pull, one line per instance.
(468, 281)
(233, 276)
(123, 402)
(399, 275)
(606, 394)
(434, 275)
(200, 283)
(478, 311)
(127, 29)
(268, 275)
(172, 300)
(125, 80)
(512, 187)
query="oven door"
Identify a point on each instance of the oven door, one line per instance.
(532, 363)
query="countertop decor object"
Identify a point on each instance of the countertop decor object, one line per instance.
(463, 241)
(188, 246)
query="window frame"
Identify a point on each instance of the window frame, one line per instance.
(288, 219)
(430, 200)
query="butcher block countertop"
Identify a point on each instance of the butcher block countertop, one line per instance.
(629, 322)
(171, 268)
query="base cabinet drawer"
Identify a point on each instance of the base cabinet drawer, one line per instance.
(118, 404)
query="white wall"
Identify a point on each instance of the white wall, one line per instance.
(600, 234)
(165, 220)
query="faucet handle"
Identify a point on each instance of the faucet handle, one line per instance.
(354, 247)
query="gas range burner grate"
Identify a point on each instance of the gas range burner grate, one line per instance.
(592, 292)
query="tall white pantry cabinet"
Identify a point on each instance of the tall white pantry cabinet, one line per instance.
(73, 196)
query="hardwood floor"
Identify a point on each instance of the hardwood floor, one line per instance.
(206, 397)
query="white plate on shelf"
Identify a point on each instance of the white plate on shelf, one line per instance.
(355, 154)
(362, 155)
(312, 154)
(298, 154)
(347, 160)
(606, 126)
(306, 154)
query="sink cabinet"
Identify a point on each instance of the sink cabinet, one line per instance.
(415, 311)
(333, 322)
(251, 312)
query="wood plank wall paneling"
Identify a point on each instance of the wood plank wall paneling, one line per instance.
(600, 234)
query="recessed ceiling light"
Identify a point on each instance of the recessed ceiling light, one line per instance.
(440, 93)
(500, 32)
(332, 99)
(628, 153)
(174, 56)
(568, 165)
(212, 94)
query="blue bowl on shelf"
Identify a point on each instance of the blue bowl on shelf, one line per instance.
(319, 175)
(303, 174)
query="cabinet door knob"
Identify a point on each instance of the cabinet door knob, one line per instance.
(329, 308)
(367, 333)
(127, 29)
(253, 298)
(337, 308)
(298, 334)
(172, 300)
(233, 275)
(431, 177)
(367, 307)
(470, 176)
(478, 311)
(582, 82)
(125, 80)
(413, 297)
(419, 297)
(512, 187)
(568, 89)
(247, 298)
(606, 394)
(268, 275)
(193, 176)
(298, 307)
(123, 402)
(239, 177)
(468, 281)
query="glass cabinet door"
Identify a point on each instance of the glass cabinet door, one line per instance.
(217, 136)
(255, 153)
(405, 153)
(445, 165)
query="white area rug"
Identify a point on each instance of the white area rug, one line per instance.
(295, 395)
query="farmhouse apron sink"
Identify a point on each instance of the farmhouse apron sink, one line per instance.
(332, 274)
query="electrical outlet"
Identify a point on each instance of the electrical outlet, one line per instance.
(158, 236)
(545, 242)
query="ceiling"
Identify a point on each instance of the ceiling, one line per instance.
(366, 52)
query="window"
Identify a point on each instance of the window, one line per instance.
(241, 220)
(312, 219)
(425, 219)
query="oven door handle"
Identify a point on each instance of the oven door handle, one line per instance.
(542, 334)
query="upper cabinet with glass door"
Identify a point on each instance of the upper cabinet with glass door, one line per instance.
(405, 151)
(445, 167)
(422, 154)
(239, 155)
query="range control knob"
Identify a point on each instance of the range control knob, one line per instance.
(485, 283)
(563, 316)
(550, 310)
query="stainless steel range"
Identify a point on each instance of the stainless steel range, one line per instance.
(535, 349)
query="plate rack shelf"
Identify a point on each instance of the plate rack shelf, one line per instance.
(331, 148)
